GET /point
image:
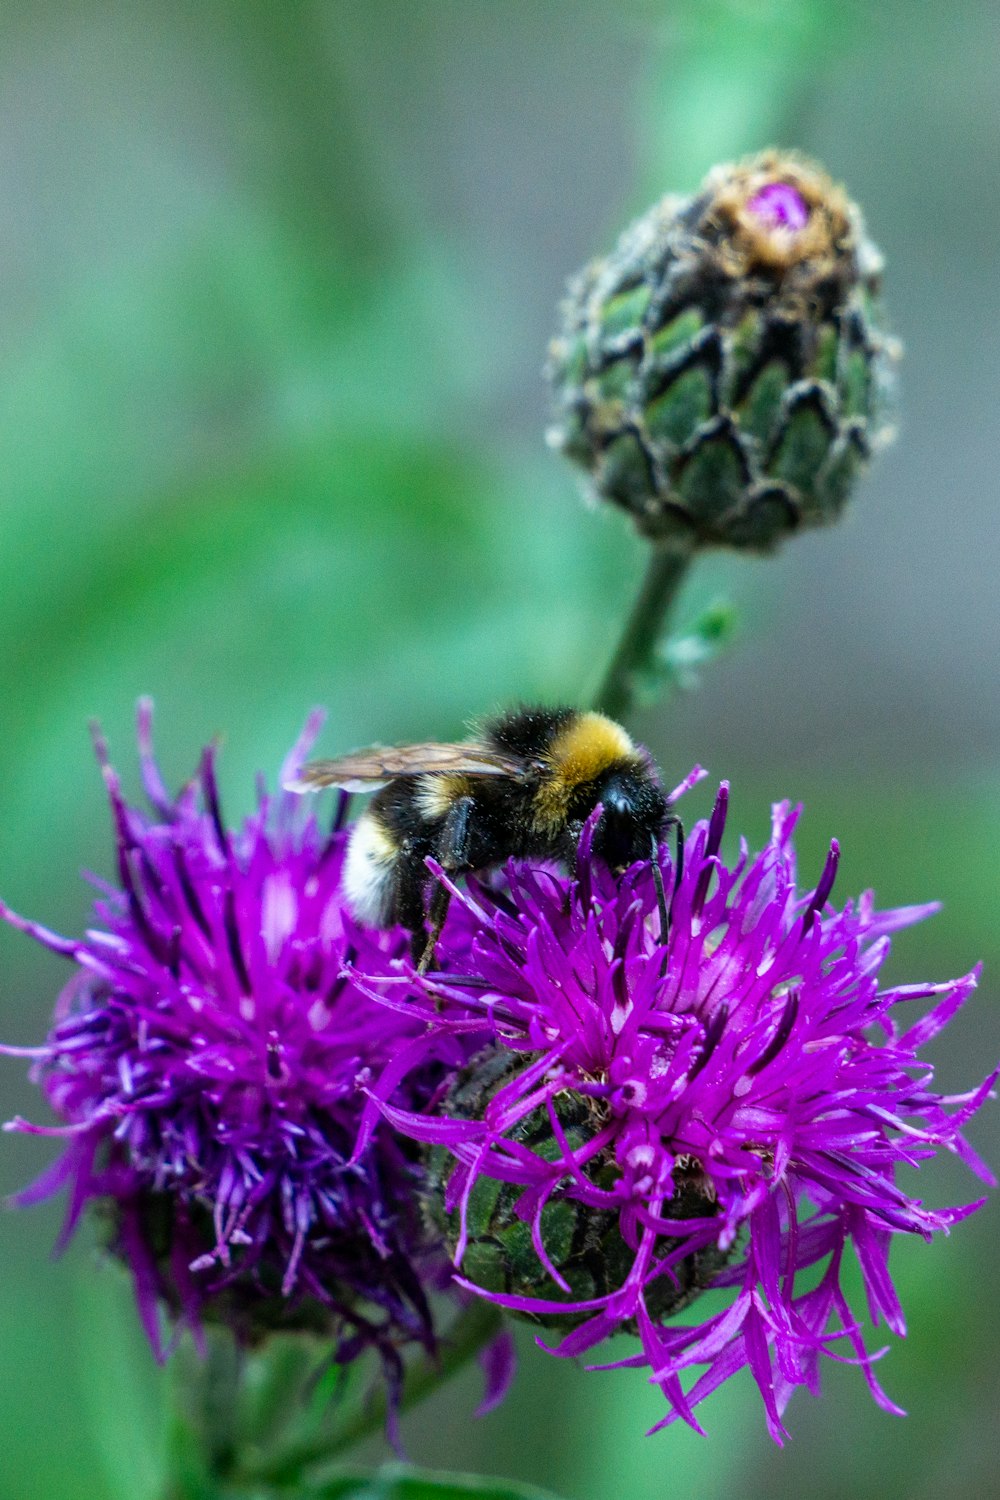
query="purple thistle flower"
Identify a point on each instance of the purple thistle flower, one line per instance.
(729, 1109)
(206, 1057)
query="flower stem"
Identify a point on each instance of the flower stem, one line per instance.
(201, 1433)
(665, 572)
(472, 1330)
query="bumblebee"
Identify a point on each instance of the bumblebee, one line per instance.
(522, 788)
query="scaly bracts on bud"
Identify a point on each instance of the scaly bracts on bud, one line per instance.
(723, 375)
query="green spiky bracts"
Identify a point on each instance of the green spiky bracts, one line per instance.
(585, 1246)
(724, 375)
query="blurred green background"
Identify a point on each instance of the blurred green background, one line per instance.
(277, 285)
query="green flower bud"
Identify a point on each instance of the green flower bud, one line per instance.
(584, 1244)
(724, 374)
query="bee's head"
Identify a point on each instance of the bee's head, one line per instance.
(634, 812)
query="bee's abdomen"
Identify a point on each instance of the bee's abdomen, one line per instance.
(370, 870)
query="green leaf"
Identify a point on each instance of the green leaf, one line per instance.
(682, 656)
(402, 1483)
(677, 662)
(282, 1386)
(320, 1443)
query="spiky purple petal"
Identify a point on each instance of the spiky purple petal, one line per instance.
(755, 1049)
(208, 1061)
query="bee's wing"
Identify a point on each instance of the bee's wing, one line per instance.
(367, 770)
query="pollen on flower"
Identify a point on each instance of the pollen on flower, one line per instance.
(642, 1122)
(204, 1064)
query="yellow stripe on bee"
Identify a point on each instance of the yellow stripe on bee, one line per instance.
(589, 745)
(436, 794)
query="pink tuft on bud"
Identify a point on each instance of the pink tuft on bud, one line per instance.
(781, 206)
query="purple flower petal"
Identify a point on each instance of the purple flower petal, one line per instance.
(207, 1063)
(498, 1362)
(754, 1059)
(780, 206)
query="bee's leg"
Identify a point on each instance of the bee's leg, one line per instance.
(678, 827)
(452, 853)
(408, 897)
(661, 899)
(673, 821)
(437, 910)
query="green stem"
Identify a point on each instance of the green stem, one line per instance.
(665, 572)
(475, 1326)
(201, 1442)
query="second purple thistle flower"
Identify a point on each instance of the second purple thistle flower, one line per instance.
(643, 1122)
(205, 1065)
